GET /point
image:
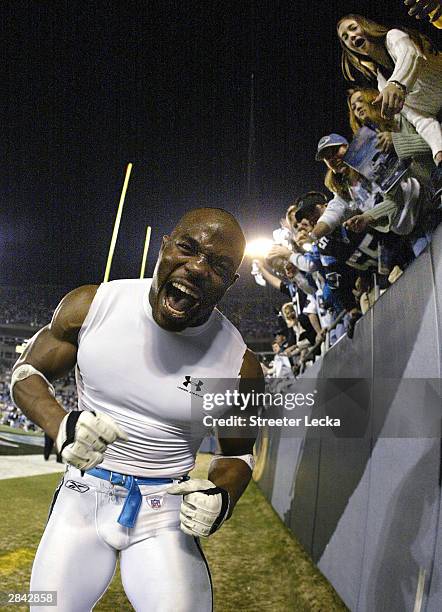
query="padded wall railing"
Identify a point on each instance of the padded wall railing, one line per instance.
(368, 508)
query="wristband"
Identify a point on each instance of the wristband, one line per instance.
(23, 371)
(248, 459)
(399, 86)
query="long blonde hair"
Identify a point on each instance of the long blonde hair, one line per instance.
(374, 112)
(352, 61)
(340, 183)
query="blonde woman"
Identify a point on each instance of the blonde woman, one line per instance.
(400, 208)
(407, 69)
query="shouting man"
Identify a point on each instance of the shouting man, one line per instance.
(142, 350)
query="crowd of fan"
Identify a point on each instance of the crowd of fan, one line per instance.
(333, 256)
(32, 305)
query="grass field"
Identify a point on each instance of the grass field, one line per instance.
(255, 562)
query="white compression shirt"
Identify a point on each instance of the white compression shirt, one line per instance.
(138, 373)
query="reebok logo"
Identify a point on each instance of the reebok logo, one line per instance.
(77, 486)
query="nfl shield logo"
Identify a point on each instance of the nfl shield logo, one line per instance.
(154, 503)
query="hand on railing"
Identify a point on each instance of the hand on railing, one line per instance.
(320, 336)
(311, 353)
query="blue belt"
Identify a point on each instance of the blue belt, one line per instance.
(133, 501)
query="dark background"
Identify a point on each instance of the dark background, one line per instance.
(90, 86)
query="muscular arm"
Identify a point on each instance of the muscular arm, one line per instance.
(234, 475)
(53, 352)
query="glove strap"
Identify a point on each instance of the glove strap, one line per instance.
(69, 428)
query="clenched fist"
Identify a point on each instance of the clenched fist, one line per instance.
(83, 437)
(204, 507)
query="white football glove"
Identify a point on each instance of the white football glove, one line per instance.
(204, 507)
(83, 437)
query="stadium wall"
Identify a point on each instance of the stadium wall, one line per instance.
(367, 506)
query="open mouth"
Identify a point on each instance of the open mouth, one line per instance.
(359, 42)
(180, 299)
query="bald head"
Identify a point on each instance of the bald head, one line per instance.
(217, 221)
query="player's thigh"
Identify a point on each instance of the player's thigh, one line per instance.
(71, 558)
(167, 573)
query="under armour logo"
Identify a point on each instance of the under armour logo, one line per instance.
(77, 486)
(188, 381)
(191, 386)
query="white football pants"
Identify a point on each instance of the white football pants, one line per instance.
(162, 569)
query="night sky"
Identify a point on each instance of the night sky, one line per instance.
(90, 86)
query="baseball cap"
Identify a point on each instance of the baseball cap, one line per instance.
(332, 140)
(305, 210)
(307, 203)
